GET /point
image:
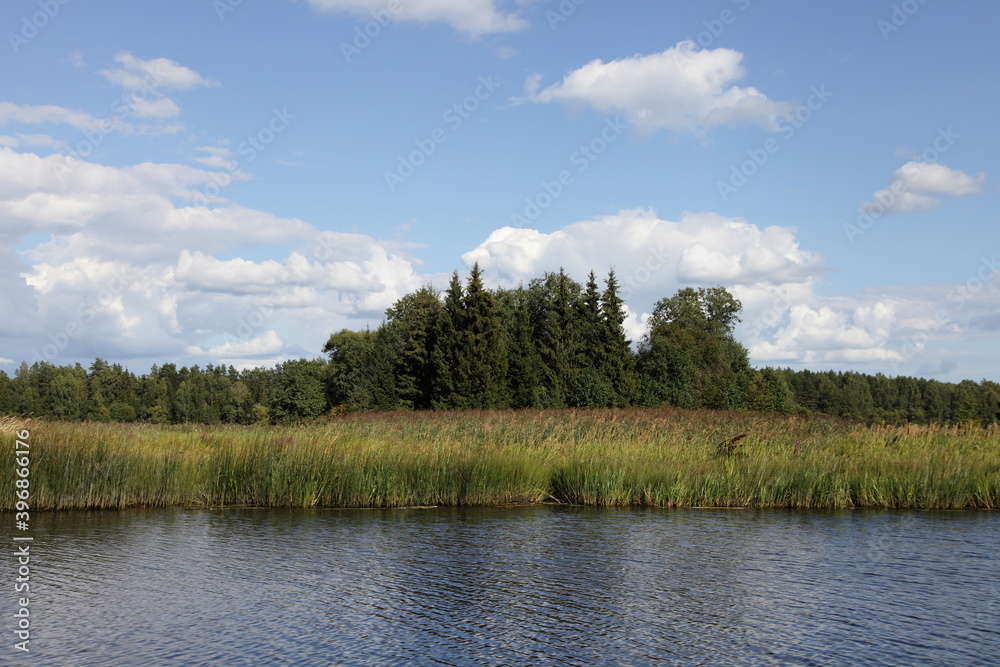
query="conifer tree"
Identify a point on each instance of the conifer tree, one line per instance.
(448, 357)
(525, 373)
(484, 351)
(619, 360)
(558, 338)
(415, 316)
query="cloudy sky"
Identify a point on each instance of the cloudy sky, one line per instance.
(230, 181)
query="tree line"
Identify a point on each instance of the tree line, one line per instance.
(554, 343)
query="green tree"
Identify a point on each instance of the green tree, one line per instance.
(689, 352)
(554, 300)
(525, 372)
(482, 343)
(619, 360)
(415, 317)
(298, 390)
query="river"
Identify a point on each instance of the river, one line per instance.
(541, 585)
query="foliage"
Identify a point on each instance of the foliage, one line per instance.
(551, 344)
(663, 457)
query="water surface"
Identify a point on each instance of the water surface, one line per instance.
(514, 586)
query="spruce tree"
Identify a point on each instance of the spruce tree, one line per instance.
(447, 357)
(618, 358)
(485, 355)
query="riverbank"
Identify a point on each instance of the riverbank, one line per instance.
(653, 458)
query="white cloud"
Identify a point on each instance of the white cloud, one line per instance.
(28, 114)
(219, 157)
(144, 81)
(161, 108)
(267, 345)
(680, 88)
(785, 321)
(47, 113)
(76, 59)
(830, 334)
(915, 183)
(471, 17)
(27, 140)
(154, 74)
(125, 268)
(652, 257)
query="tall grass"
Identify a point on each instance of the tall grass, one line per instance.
(660, 458)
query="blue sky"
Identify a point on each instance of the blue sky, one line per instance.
(219, 181)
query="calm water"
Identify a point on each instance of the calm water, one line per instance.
(513, 586)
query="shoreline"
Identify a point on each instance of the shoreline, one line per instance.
(658, 458)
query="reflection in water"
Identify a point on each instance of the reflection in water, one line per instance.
(514, 586)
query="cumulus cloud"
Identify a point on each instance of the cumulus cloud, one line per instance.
(267, 345)
(470, 17)
(828, 334)
(915, 184)
(652, 257)
(119, 262)
(681, 88)
(785, 320)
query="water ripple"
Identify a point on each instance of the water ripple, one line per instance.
(515, 586)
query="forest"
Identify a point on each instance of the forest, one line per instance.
(555, 343)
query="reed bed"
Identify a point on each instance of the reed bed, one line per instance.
(653, 458)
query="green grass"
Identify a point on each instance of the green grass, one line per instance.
(657, 458)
